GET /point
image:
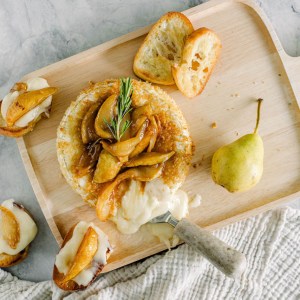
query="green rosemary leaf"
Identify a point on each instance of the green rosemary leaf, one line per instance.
(123, 108)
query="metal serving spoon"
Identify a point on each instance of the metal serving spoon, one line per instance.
(228, 260)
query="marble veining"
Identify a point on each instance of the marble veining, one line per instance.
(34, 34)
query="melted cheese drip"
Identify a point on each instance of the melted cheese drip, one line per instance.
(138, 206)
(66, 255)
(28, 229)
(32, 85)
(165, 234)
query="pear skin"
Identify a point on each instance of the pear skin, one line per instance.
(239, 166)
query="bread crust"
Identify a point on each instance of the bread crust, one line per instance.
(184, 69)
(145, 74)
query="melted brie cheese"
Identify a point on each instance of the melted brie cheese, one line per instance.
(28, 229)
(139, 206)
(66, 255)
(165, 234)
(32, 85)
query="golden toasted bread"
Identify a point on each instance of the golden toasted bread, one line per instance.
(200, 54)
(162, 48)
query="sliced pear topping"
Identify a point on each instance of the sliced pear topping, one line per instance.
(88, 158)
(126, 134)
(84, 255)
(148, 140)
(142, 145)
(121, 149)
(134, 128)
(148, 159)
(106, 112)
(10, 227)
(144, 110)
(106, 203)
(88, 132)
(26, 102)
(154, 134)
(139, 116)
(107, 168)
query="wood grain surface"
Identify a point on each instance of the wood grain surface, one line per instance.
(252, 65)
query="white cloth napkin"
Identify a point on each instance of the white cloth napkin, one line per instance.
(271, 242)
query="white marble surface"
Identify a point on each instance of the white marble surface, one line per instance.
(37, 33)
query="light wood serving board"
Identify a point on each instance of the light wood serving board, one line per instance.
(252, 65)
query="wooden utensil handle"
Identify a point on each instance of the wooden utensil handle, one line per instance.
(228, 260)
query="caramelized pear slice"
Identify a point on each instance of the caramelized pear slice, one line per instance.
(142, 145)
(88, 159)
(85, 254)
(105, 204)
(121, 149)
(107, 168)
(149, 159)
(10, 227)
(25, 102)
(88, 132)
(126, 134)
(144, 110)
(154, 134)
(135, 126)
(106, 112)
(149, 137)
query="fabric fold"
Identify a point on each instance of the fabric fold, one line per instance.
(271, 243)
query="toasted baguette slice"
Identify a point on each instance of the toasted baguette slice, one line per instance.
(162, 48)
(71, 285)
(200, 54)
(8, 260)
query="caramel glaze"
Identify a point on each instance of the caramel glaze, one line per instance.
(166, 141)
(88, 158)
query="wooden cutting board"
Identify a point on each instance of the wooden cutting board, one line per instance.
(252, 65)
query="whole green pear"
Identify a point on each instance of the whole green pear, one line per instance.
(239, 166)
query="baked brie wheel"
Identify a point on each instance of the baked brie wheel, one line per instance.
(24, 106)
(119, 137)
(83, 255)
(17, 231)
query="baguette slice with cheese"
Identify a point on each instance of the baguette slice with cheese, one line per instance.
(200, 54)
(162, 48)
(84, 253)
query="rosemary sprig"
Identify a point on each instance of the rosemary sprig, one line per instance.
(123, 108)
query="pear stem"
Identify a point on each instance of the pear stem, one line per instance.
(258, 114)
